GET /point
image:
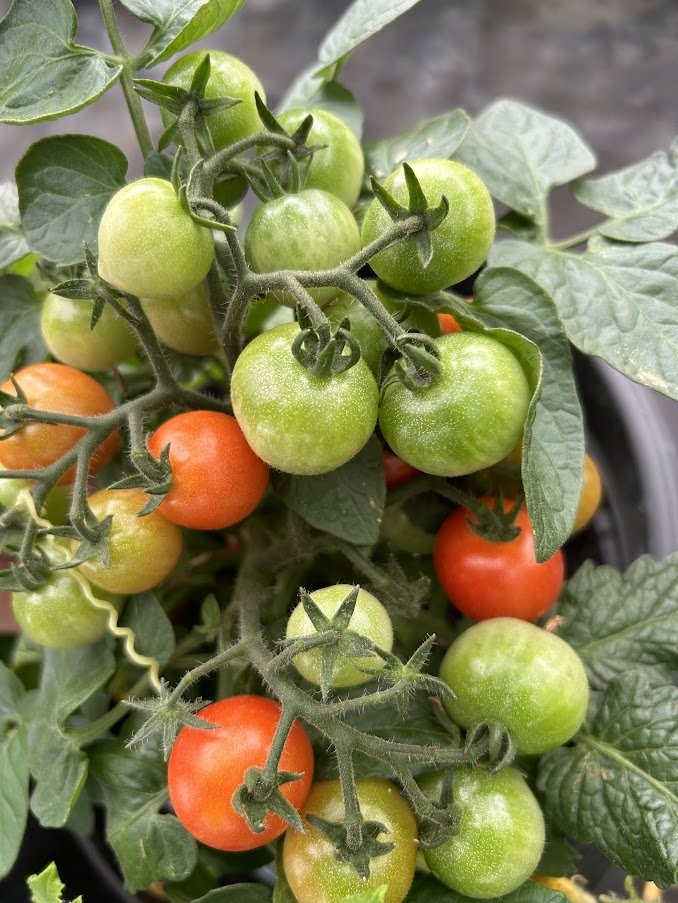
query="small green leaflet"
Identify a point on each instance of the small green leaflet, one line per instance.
(153, 631)
(13, 245)
(14, 774)
(237, 893)
(436, 137)
(20, 337)
(47, 887)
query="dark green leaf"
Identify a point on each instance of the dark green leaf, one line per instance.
(616, 301)
(519, 226)
(437, 137)
(616, 786)
(553, 444)
(20, 337)
(44, 74)
(179, 24)
(158, 166)
(641, 201)
(559, 857)
(426, 889)
(521, 154)
(152, 627)
(47, 887)
(619, 622)
(237, 893)
(149, 846)
(14, 773)
(347, 502)
(64, 183)
(13, 245)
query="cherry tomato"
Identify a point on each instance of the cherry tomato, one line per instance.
(396, 470)
(206, 767)
(183, 322)
(486, 579)
(500, 838)
(148, 244)
(461, 242)
(314, 872)
(591, 495)
(369, 619)
(468, 417)
(55, 387)
(217, 480)
(142, 550)
(295, 421)
(526, 678)
(448, 324)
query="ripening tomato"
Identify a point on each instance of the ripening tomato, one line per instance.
(591, 495)
(448, 324)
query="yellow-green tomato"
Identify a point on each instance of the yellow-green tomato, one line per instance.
(369, 619)
(66, 329)
(230, 77)
(461, 242)
(339, 167)
(526, 678)
(500, 838)
(183, 322)
(10, 488)
(148, 244)
(60, 614)
(591, 495)
(314, 872)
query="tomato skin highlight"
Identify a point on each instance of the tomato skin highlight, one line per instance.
(206, 767)
(217, 480)
(486, 579)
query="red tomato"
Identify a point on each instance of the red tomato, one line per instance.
(495, 579)
(206, 767)
(396, 470)
(448, 324)
(217, 480)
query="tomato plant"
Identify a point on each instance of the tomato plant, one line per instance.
(206, 767)
(311, 866)
(468, 417)
(527, 679)
(217, 480)
(486, 579)
(183, 322)
(500, 837)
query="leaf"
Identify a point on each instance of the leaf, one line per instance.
(337, 99)
(426, 889)
(149, 846)
(44, 74)
(617, 302)
(59, 766)
(553, 444)
(179, 23)
(64, 183)
(154, 635)
(281, 892)
(20, 336)
(617, 786)
(641, 201)
(521, 154)
(237, 893)
(436, 137)
(14, 773)
(158, 166)
(13, 245)
(621, 622)
(47, 886)
(347, 502)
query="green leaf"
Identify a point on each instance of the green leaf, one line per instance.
(376, 895)
(64, 183)
(617, 302)
(426, 889)
(559, 858)
(337, 99)
(149, 846)
(47, 887)
(13, 245)
(641, 201)
(281, 892)
(237, 893)
(437, 137)
(617, 785)
(59, 766)
(158, 165)
(521, 154)
(152, 627)
(179, 23)
(553, 444)
(347, 502)
(44, 74)
(620, 622)
(14, 773)
(20, 336)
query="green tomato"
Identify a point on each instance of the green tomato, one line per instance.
(524, 677)
(500, 838)
(230, 77)
(367, 331)
(60, 613)
(148, 244)
(398, 528)
(310, 230)
(339, 167)
(468, 417)
(295, 421)
(10, 489)
(314, 872)
(183, 322)
(461, 242)
(369, 619)
(66, 329)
